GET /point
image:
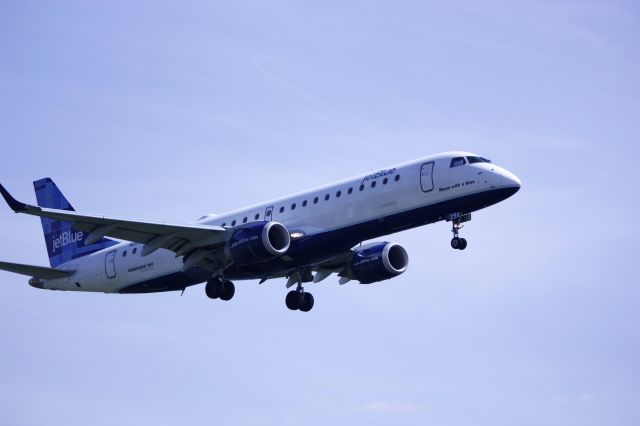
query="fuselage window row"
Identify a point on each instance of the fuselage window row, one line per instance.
(316, 199)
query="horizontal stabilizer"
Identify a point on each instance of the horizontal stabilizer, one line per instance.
(35, 271)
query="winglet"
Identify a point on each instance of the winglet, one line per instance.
(15, 205)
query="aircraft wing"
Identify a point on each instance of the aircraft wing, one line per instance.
(35, 271)
(184, 240)
(336, 264)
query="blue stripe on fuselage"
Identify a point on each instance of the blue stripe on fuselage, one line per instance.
(316, 248)
(319, 247)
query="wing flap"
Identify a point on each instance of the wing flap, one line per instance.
(35, 271)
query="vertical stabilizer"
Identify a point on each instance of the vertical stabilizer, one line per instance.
(63, 242)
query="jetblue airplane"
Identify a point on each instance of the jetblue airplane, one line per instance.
(305, 237)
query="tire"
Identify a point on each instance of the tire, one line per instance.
(213, 288)
(292, 300)
(463, 244)
(307, 302)
(228, 290)
(455, 243)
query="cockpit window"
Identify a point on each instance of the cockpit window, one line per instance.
(458, 161)
(477, 160)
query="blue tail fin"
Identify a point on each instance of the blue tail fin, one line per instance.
(63, 242)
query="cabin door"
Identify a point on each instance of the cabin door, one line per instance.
(426, 177)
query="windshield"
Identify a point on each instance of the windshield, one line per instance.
(473, 159)
(457, 161)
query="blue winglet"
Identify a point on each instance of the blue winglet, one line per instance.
(15, 205)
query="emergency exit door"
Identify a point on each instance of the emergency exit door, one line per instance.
(110, 264)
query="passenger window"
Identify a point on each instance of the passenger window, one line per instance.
(350, 191)
(233, 222)
(373, 184)
(293, 206)
(315, 200)
(458, 161)
(281, 209)
(245, 219)
(224, 224)
(326, 197)
(397, 178)
(124, 253)
(385, 180)
(135, 249)
(338, 194)
(361, 187)
(257, 216)
(304, 203)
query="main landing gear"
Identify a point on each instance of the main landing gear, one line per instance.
(457, 220)
(300, 300)
(219, 288)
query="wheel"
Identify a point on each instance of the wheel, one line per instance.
(455, 243)
(307, 302)
(213, 288)
(463, 244)
(228, 290)
(292, 300)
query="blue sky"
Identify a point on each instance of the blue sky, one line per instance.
(166, 111)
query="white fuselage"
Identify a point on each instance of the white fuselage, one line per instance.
(341, 205)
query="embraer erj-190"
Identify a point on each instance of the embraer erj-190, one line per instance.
(305, 237)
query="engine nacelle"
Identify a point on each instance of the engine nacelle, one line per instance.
(257, 242)
(378, 262)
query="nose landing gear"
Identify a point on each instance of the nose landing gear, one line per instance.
(458, 243)
(457, 220)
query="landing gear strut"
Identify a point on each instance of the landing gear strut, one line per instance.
(457, 221)
(219, 288)
(300, 300)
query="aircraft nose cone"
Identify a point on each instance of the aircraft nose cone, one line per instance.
(510, 180)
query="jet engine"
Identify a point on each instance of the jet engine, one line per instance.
(378, 262)
(257, 242)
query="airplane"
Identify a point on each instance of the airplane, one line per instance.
(305, 237)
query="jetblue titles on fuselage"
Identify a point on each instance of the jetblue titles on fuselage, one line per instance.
(378, 174)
